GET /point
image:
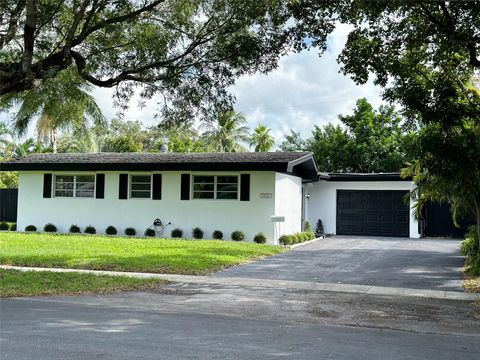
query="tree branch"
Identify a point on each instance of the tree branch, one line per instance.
(29, 35)
(87, 31)
(472, 51)
(12, 24)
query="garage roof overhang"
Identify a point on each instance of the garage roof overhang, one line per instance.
(393, 176)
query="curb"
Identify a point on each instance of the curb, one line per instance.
(294, 246)
(276, 284)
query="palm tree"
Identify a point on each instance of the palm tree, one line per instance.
(5, 137)
(227, 134)
(261, 139)
(61, 103)
(22, 149)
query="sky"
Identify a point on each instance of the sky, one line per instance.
(305, 90)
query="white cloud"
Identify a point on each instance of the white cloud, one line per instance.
(305, 90)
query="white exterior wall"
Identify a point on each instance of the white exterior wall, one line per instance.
(288, 203)
(322, 203)
(251, 217)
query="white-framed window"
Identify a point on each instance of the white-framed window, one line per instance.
(219, 187)
(140, 186)
(75, 186)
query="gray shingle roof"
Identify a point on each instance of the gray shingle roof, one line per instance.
(275, 161)
(159, 158)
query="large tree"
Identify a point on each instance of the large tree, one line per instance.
(369, 140)
(188, 50)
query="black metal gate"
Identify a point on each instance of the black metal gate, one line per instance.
(437, 221)
(8, 204)
(372, 212)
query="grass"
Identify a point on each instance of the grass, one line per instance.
(127, 254)
(33, 283)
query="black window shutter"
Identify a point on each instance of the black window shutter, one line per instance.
(47, 185)
(185, 187)
(123, 186)
(157, 187)
(100, 186)
(245, 187)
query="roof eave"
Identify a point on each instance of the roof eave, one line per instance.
(195, 166)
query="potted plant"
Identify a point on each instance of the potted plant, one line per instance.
(319, 229)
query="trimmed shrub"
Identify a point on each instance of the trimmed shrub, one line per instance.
(238, 236)
(74, 229)
(307, 226)
(217, 235)
(150, 232)
(13, 227)
(283, 240)
(4, 226)
(30, 228)
(319, 228)
(469, 249)
(130, 231)
(260, 238)
(197, 233)
(296, 238)
(470, 244)
(176, 233)
(50, 228)
(90, 230)
(111, 230)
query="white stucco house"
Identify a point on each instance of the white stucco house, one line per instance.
(273, 193)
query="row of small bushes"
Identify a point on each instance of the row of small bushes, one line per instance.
(470, 250)
(296, 238)
(197, 233)
(8, 227)
(237, 235)
(75, 229)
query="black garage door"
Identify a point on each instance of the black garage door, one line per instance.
(372, 212)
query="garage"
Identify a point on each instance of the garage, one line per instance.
(372, 212)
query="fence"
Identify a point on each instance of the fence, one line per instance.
(8, 204)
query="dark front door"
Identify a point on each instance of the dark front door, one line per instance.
(372, 212)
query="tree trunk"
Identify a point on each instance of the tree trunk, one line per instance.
(53, 140)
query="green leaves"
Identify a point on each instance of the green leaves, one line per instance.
(188, 51)
(369, 141)
(227, 133)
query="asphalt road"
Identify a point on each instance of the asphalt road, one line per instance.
(43, 330)
(433, 264)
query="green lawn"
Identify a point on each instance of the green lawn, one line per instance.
(32, 283)
(127, 254)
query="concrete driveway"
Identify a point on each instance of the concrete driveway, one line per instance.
(432, 264)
